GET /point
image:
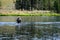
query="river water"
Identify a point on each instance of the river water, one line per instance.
(8, 24)
(30, 18)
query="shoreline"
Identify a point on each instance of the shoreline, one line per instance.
(27, 13)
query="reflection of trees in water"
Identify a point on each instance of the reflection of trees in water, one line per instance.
(57, 18)
(26, 30)
(33, 31)
(30, 31)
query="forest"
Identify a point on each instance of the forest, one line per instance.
(38, 5)
(51, 5)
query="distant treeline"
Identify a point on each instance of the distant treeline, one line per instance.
(38, 5)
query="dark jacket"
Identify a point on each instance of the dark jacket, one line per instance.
(18, 20)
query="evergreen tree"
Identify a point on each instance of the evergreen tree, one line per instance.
(56, 6)
(59, 6)
(38, 5)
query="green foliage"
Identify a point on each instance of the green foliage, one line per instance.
(59, 6)
(56, 6)
(34, 4)
(0, 3)
(37, 5)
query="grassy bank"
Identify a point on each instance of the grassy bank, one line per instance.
(27, 13)
(32, 14)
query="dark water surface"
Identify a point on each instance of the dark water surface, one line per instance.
(8, 24)
(30, 18)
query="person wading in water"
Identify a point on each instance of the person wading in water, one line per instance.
(18, 20)
(17, 28)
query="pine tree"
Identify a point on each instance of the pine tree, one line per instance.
(56, 6)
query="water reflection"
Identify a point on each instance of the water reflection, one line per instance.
(31, 28)
(30, 18)
(57, 18)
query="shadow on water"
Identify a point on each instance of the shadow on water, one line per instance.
(43, 28)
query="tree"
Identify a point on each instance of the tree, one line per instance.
(0, 4)
(56, 6)
(18, 4)
(38, 5)
(59, 6)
